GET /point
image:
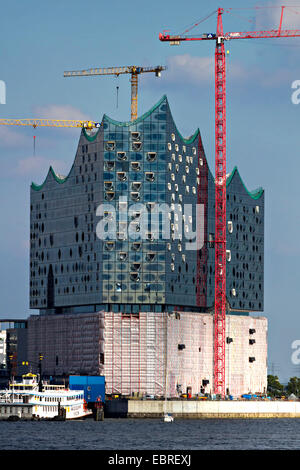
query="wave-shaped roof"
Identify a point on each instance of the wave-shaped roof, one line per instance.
(256, 194)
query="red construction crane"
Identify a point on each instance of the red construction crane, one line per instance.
(220, 173)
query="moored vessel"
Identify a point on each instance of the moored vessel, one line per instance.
(35, 399)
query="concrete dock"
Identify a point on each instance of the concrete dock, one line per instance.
(203, 409)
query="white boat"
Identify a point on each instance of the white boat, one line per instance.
(52, 401)
(168, 418)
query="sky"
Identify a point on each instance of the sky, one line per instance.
(40, 40)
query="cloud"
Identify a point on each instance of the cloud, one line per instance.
(291, 15)
(187, 69)
(268, 16)
(37, 166)
(14, 136)
(56, 111)
(10, 137)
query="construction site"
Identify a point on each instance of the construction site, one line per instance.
(151, 354)
(174, 313)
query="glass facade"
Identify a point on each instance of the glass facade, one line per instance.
(131, 227)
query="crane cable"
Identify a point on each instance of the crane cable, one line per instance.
(232, 10)
(199, 21)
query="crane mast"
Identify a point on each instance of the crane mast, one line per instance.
(220, 211)
(220, 173)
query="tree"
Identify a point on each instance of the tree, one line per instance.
(274, 388)
(294, 386)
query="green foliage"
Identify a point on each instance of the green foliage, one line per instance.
(275, 388)
(294, 386)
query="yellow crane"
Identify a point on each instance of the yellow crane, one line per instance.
(133, 70)
(50, 123)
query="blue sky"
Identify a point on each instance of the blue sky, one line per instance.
(40, 40)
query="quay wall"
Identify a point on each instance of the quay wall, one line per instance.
(214, 409)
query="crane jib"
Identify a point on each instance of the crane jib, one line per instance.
(273, 33)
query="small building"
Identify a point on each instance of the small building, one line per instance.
(13, 349)
(93, 387)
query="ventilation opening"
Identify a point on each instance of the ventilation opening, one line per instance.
(136, 266)
(122, 256)
(150, 176)
(109, 246)
(121, 156)
(150, 236)
(136, 146)
(108, 185)
(150, 257)
(135, 135)
(110, 195)
(135, 215)
(135, 166)
(136, 186)
(136, 246)
(110, 145)
(135, 196)
(151, 156)
(121, 175)
(109, 166)
(134, 277)
(150, 205)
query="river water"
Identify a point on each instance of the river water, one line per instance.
(152, 434)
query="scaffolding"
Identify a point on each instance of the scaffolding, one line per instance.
(134, 353)
(150, 353)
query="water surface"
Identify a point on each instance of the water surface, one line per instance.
(152, 434)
